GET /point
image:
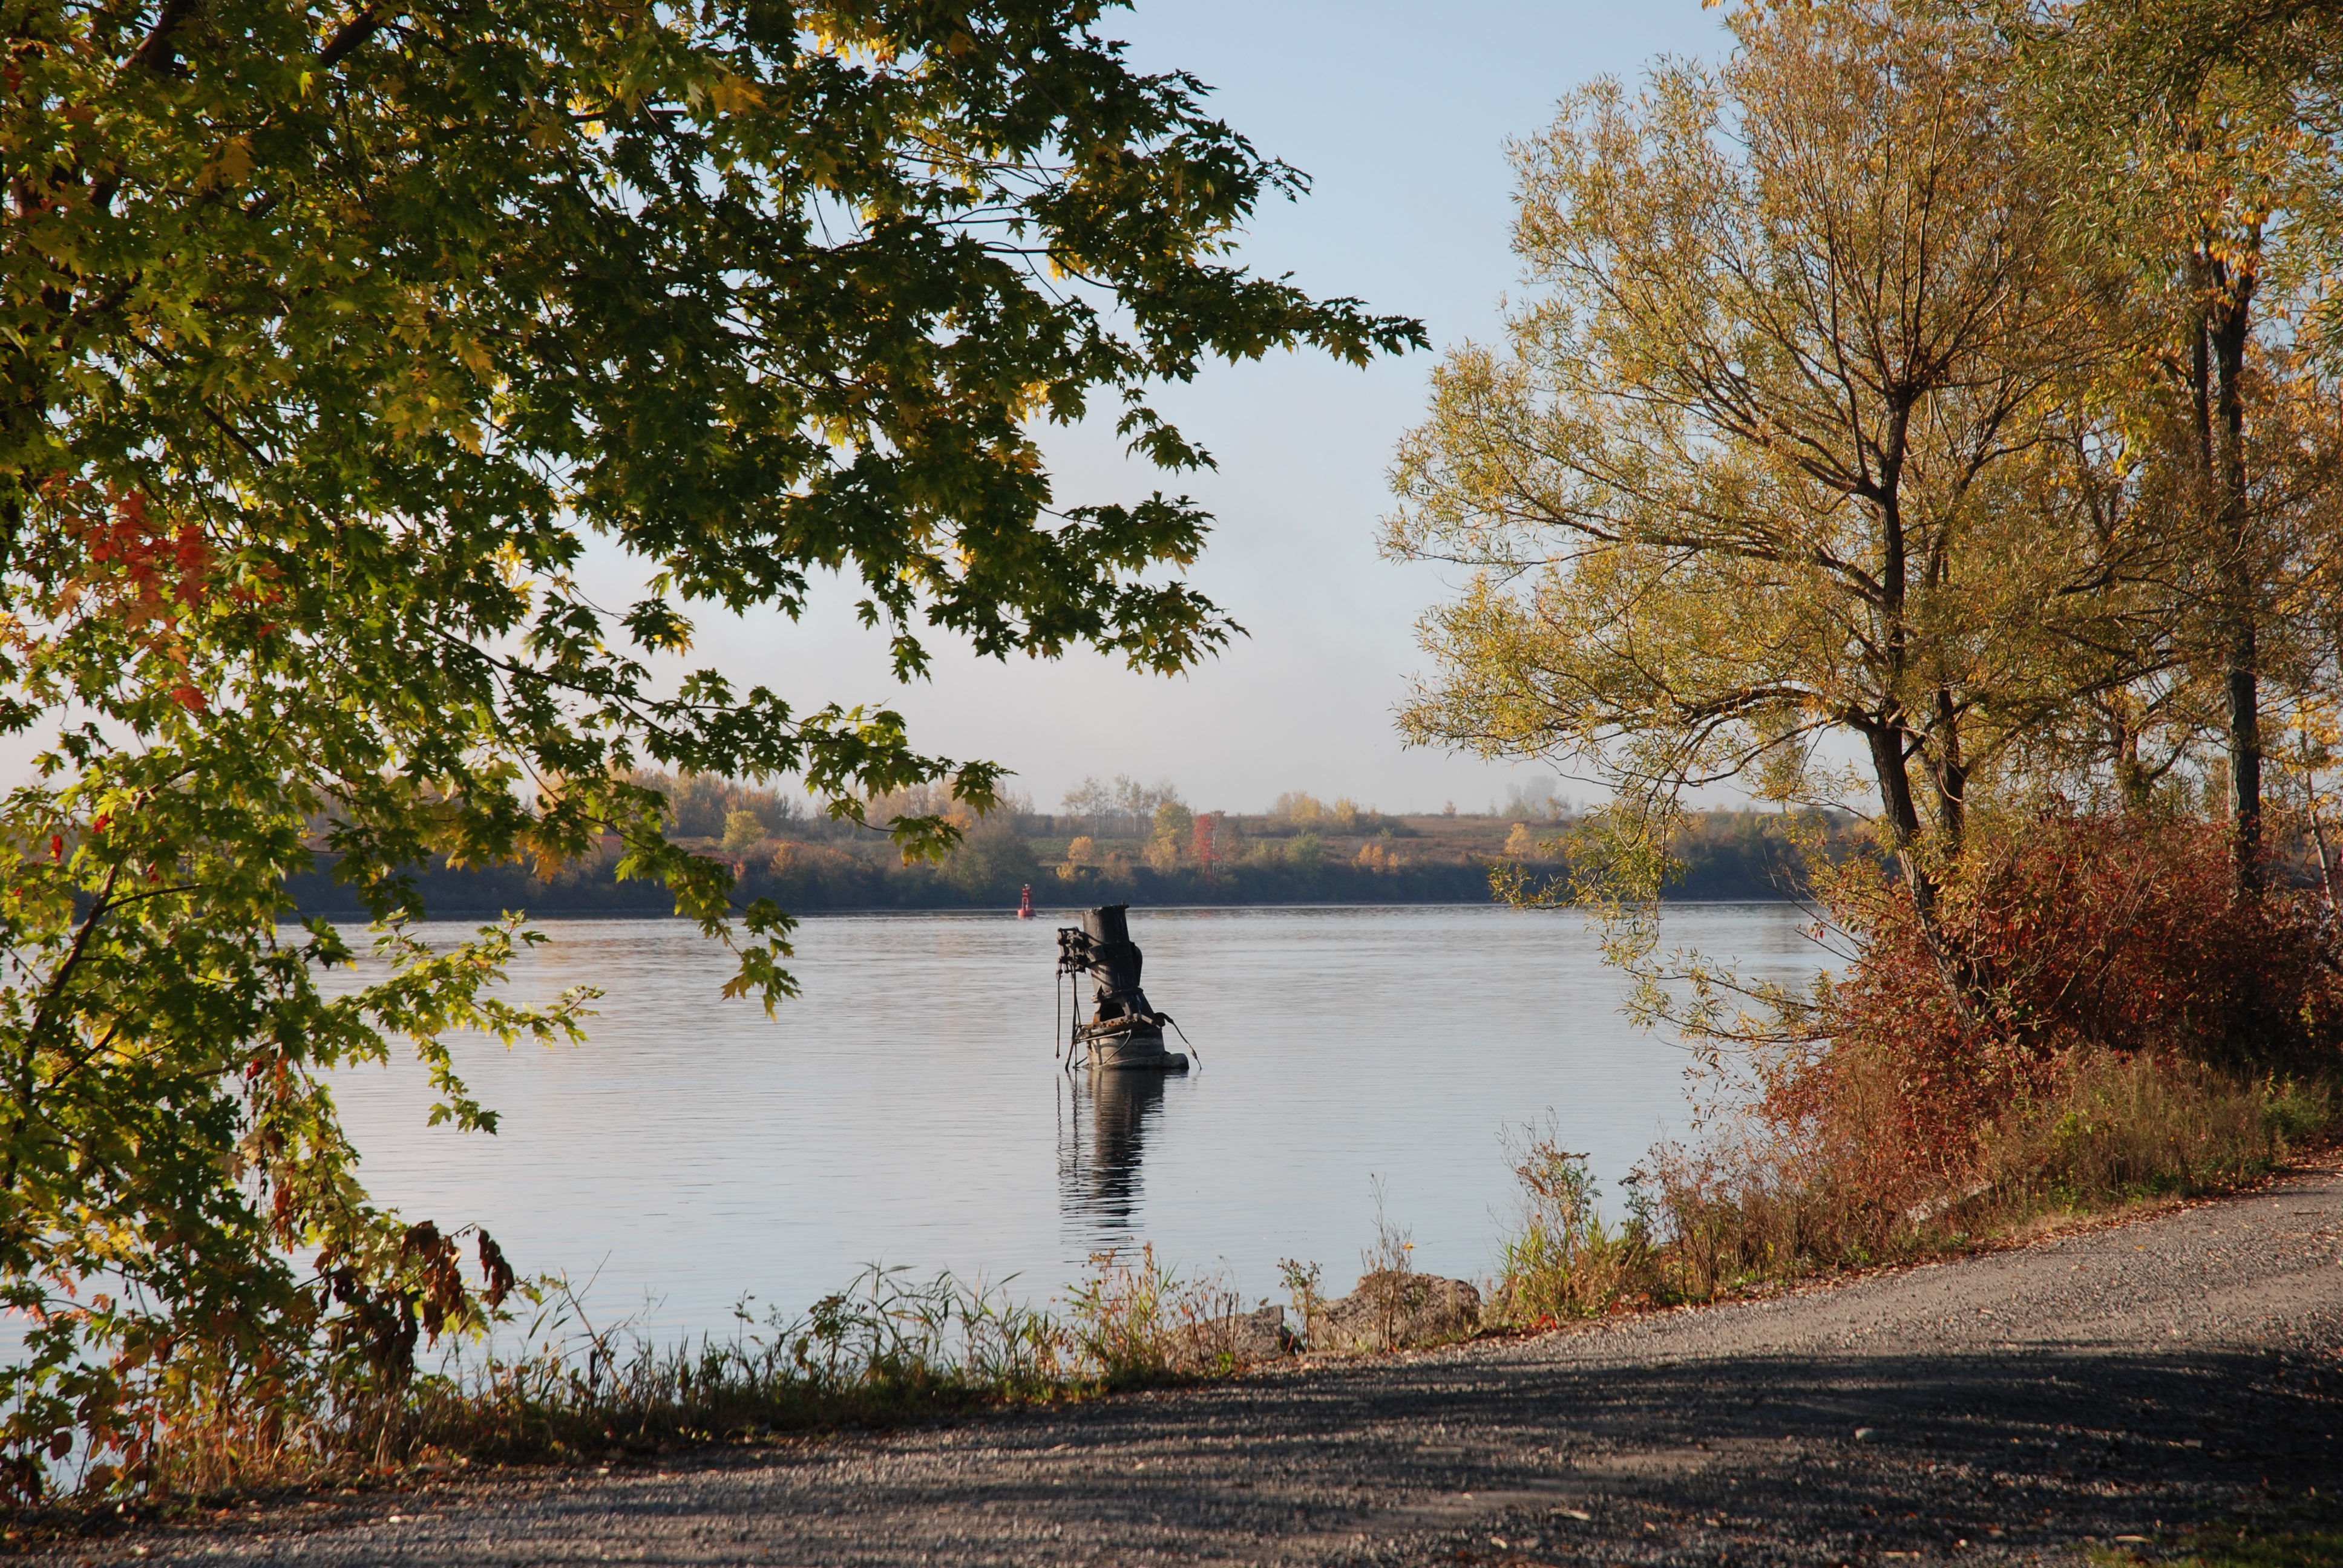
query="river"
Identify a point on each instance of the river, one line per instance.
(906, 1109)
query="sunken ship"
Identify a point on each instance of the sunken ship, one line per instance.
(1122, 1030)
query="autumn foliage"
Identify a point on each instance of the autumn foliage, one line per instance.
(148, 568)
(2133, 1025)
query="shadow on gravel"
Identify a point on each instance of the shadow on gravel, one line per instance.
(1505, 1456)
(1755, 1458)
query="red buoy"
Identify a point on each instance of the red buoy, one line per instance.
(1025, 903)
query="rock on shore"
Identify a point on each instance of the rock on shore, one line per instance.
(1391, 1310)
(1239, 1340)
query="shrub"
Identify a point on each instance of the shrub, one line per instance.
(1565, 1261)
(2089, 935)
(2129, 1027)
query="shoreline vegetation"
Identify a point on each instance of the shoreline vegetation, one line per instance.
(2120, 1139)
(2152, 1039)
(1118, 842)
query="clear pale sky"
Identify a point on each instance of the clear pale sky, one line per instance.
(1400, 116)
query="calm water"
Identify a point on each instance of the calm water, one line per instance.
(907, 1110)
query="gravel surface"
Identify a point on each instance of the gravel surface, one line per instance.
(2123, 1385)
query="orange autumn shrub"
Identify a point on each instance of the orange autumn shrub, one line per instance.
(2108, 976)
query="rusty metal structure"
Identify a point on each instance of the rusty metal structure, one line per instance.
(1122, 1031)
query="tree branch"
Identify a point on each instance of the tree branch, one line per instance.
(160, 51)
(354, 32)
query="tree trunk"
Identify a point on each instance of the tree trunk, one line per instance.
(1962, 977)
(1887, 729)
(2318, 840)
(2227, 322)
(2132, 784)
(1951, 776)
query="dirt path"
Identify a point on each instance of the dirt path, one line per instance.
(2130, 1382)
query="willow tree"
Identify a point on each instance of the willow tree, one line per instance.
(331, 340)
(1734, 485)
(2202, 137)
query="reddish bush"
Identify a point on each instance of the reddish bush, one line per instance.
(2088, 937)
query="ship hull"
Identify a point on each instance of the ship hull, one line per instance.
(1138, 1047)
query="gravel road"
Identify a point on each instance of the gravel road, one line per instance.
(2125, 1383)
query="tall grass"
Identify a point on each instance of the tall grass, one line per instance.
(887, 1349)
(1746, 1211)
(1133, 1323)
(2144, 1126)
(1563, 1259)
(2111, 1130)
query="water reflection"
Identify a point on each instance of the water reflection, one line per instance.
(1099, 1148)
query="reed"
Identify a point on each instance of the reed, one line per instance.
(889, 1349)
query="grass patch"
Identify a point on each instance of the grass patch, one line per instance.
(887, 1350)
(2242, 1548)
(1749, 1212)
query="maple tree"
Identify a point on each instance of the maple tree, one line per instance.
(333, 340)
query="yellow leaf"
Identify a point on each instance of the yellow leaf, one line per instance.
(732, 94)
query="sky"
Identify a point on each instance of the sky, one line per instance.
(1400, 114)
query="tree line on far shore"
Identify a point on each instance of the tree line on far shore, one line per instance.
(1119, 842)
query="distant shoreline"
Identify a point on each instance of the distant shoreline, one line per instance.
(1242, 863)
(1009, 911)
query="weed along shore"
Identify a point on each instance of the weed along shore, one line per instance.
(2167, 1387)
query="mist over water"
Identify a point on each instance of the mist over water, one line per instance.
(906, 1108)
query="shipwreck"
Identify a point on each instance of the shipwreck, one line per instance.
(1122, 1031)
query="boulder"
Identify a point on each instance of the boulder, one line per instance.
(1239, 1340)
(1394, 1310)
